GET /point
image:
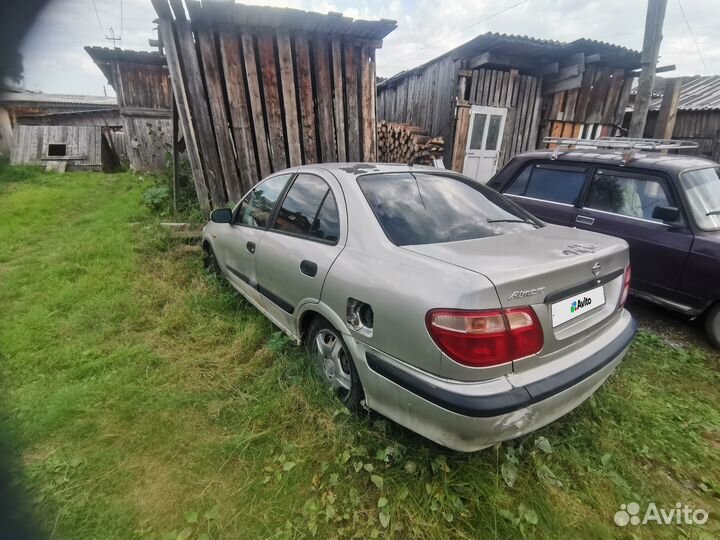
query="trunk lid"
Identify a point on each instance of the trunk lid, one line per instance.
(541, 267)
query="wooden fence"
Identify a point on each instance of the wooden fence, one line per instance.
(261, 89)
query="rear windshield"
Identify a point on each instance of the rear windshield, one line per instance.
(425, 208)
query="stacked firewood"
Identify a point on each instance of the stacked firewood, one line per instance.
(403, 143)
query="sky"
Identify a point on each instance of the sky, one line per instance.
(55, 61)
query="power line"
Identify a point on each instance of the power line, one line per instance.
(697, 46)
(102, 28)
(392, 62)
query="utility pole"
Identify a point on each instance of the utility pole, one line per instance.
(648, 61)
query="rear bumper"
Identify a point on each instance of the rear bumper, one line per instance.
(470, 416)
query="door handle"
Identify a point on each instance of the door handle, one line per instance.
(585, 220)
(250, 247)
(308, 268)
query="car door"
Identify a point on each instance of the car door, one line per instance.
(295, 254)
(549, 190)
(236, 245)
(620, 203)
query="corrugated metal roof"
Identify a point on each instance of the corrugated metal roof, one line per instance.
(697, 93)
(69, 99)
(534, 49)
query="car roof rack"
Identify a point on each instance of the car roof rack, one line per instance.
(628, 145)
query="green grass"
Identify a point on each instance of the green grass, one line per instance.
(145, 399)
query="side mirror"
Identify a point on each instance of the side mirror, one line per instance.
(668, 214)
(221, 215)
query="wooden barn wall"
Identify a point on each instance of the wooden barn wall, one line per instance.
(144, 95)
(702, 127)
(83, 145)
(142, 85)
(425, 99)
(252, 101)
(149, 142)
(599, 102)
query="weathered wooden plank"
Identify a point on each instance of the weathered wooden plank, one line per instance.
(484, 98)
(305, 93)
(519, 109)
(571, 97)
(583, 99)
(527, 120)
(623, 99)
(216, 98)
(184, 113)
(665, 122)
(323, 91)
(200, 112)
(367, 77)
(610, 103)
(239, 108)
(474, 83)
(273, 112)
(290, 109)
(461, 134)
(532, 142)
(338, 101)
(351, 101)
(598, 94)
(476, 96)
(557, 106)
(256, 104)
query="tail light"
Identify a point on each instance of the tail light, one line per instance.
(626, 287)
(485, 338)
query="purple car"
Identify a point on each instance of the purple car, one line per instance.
(667, 207)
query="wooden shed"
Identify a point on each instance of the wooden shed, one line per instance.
(60, 147)
(144, 97)
(260, 89)
(687, 108)
(18, 105)
(498, 95)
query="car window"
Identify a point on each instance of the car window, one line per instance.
(555, 183)
(702, 187)
(256, 209)
(627, 195)
(426, 208)
(327, 223)
(301, 210)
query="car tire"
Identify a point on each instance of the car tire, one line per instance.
(712, 325)
(326, 347)
(210, 261)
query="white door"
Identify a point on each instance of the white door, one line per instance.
(484, 139)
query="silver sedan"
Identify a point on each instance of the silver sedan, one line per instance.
(429, 298)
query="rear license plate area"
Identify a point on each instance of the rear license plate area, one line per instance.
(577, 305)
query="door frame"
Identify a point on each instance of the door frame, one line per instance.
(482, 153)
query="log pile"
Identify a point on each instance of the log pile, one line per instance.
(402, 143)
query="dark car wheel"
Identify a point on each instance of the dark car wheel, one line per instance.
(210, 261)
(326, 347)
(712, 325)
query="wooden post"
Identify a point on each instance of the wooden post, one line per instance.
(184, 114)
(668, 109)
(648, 60)
(176, 172)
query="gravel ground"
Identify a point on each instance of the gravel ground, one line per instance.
(674, 328)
